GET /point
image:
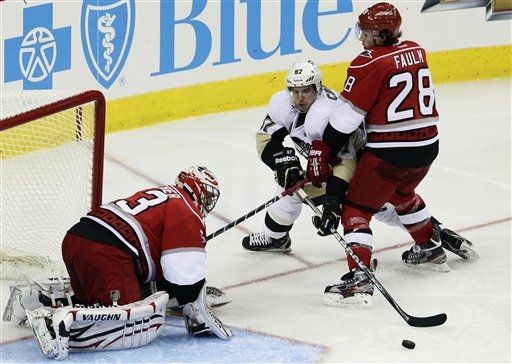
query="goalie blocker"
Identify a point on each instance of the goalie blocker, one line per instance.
(67, 329)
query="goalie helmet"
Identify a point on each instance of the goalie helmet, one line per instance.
(380, 17)
(304, 73)
(201, 185)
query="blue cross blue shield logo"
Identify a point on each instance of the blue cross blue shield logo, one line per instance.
(40, 52)
(107, 33)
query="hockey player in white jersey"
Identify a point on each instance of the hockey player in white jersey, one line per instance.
(302, 111)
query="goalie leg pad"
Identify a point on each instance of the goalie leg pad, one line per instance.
(122, 327)
(65, 329)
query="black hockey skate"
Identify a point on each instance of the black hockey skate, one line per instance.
(429, 256)
(261, 242)
(354, 290)
(455, 243)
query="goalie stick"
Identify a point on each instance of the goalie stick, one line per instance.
(428, 321)
(289, 191)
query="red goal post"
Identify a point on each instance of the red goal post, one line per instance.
(52, 145)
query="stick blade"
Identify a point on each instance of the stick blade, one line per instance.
(429, 321)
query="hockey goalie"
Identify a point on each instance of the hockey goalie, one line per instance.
(128, 261)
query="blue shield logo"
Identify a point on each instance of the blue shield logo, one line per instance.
(107, 33)
(40, 52)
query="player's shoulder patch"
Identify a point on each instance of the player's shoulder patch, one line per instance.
(363, 58)
(367, 53)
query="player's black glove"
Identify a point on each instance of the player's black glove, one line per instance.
(330, 215)
(288, 170)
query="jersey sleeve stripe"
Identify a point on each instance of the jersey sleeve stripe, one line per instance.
(140, 234)
(403, 144)
(113, 231)
(184, 267)
(403, 126)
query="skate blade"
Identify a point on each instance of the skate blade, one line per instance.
(431, 267)
(13, 296)
(278, 250)
(170, 312)
(358, 300)
(467, 252)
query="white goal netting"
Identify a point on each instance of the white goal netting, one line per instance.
(48, 174)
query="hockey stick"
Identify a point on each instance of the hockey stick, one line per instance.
(289, 191)
(428, 321)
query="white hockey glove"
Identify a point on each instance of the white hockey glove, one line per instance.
(200, 320)
(31, 295)
(21, 298)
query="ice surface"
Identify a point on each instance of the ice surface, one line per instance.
(276, 311)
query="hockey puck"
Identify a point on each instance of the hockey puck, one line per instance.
(408, 344)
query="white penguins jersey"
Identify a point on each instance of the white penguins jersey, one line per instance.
(303, 128)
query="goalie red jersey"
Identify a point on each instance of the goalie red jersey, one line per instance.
(392, 87)
(156, 235)
(155, 222)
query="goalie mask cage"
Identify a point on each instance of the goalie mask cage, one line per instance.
(51, 158)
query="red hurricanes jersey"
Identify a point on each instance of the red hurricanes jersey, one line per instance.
(392, 88)
(155, 222)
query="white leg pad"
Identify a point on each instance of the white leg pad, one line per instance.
(103, 328)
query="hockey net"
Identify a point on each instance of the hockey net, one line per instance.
(51, 145)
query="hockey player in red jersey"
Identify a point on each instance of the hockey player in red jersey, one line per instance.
(118, 253)
(155, 235)
(389, 87)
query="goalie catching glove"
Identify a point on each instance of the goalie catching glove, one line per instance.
(32, 294)
(288, 171)
(330, 215)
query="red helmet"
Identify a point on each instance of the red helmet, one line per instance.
(201, 185)
(381, 16)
